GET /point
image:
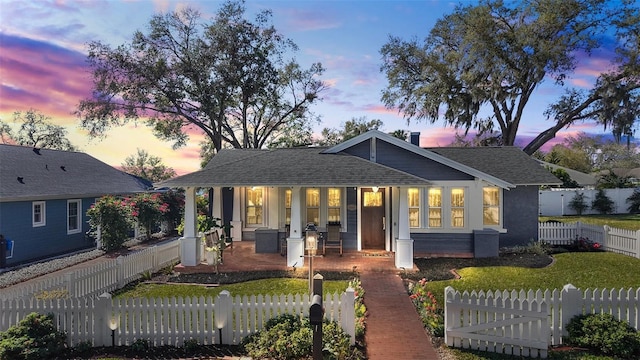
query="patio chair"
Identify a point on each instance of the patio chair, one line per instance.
(333, 240)
(283, 240)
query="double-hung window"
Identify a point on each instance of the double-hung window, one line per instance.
(313, 206)
(457, 207)
(414, 207)
(334, 202)
(73, 216)
(254, 206)
(287, 206)
(39, 213)
(491, 206)
(435, 207)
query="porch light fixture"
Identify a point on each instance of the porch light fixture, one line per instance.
(375, 189)
(113, 325)
(311, 244)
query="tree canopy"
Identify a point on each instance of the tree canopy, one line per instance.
(479, 66)
(227, 79)
(351, 129)
(36, 130)
(147, 166)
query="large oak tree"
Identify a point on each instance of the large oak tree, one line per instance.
(490, 58)
(36, 130)
(227, 78)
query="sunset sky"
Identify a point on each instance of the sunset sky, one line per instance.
(43, 64)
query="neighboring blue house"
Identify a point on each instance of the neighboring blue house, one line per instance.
(44, 197)
(386, 193)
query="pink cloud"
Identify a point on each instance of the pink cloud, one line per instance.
(41, 75)
(308, 20)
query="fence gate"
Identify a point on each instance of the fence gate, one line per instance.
(497, 323)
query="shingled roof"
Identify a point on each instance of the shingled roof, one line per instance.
(292, 166)
(504, 162)
(42, 174)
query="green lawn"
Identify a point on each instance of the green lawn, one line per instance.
(582, 269)
(276, 286)
(621, 221)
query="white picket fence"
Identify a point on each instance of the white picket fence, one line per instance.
(527, 323)
(172, 321)
(105, 277)
(621, 241)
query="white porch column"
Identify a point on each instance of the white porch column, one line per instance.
(189, 240)
(217, 203)
(404, 243)
(295, 241)
(236, 222)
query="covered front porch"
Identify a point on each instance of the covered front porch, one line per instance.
(372, 219)
(243, 257)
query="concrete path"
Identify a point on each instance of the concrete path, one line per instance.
(394, 329)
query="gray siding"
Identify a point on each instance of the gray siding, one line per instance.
(520, 216)
(409, 162)
(35, 243)
(442, 243)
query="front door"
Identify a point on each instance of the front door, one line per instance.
(373, 221)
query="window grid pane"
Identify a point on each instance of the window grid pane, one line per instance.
(287, 206)
(435, 207)
(491, 206)
(313, 206)
(254, 206)
(457, 207)
(414, 208)
(73, 216)
(334, 203)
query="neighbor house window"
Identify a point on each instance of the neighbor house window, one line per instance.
(334, 202)
(435, 207)
(254, 206)
(457, 207)
(414, 208)
(313, 206)
(287, 206)
(491, 206)
(39, 213)
(73, 216)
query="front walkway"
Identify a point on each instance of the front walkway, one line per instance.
(394, 329)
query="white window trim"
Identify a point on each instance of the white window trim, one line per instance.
(445, 208)
(422, 207)
(43, 213)
(499, 226)
(78, 216)
(265, 207)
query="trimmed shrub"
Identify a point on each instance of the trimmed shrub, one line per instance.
(34, 337)
(604, 334)
(634, 202)
(578, 203)
(602, 203)
(288, 337)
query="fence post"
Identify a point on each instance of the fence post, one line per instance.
(578, 229)
(70, 280)
(571, 305)
(102, 318)
(120, 271)
(223, 316)
(605, 238)
(637, 244)
(348, 313)
(449, 316)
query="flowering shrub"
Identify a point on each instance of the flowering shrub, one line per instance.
(425, 302)
(582, 243)
(148, 210)
(110, 220)
(360, 308)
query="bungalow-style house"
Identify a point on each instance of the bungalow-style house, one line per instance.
(44, 197)
(386, 194)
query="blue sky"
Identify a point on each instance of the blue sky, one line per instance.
(43, 52)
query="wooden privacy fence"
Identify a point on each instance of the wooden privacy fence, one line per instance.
(103, 277)
(621, 241)
(171, 321)
(527, 323)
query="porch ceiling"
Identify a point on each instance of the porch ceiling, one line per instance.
(292, 167)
